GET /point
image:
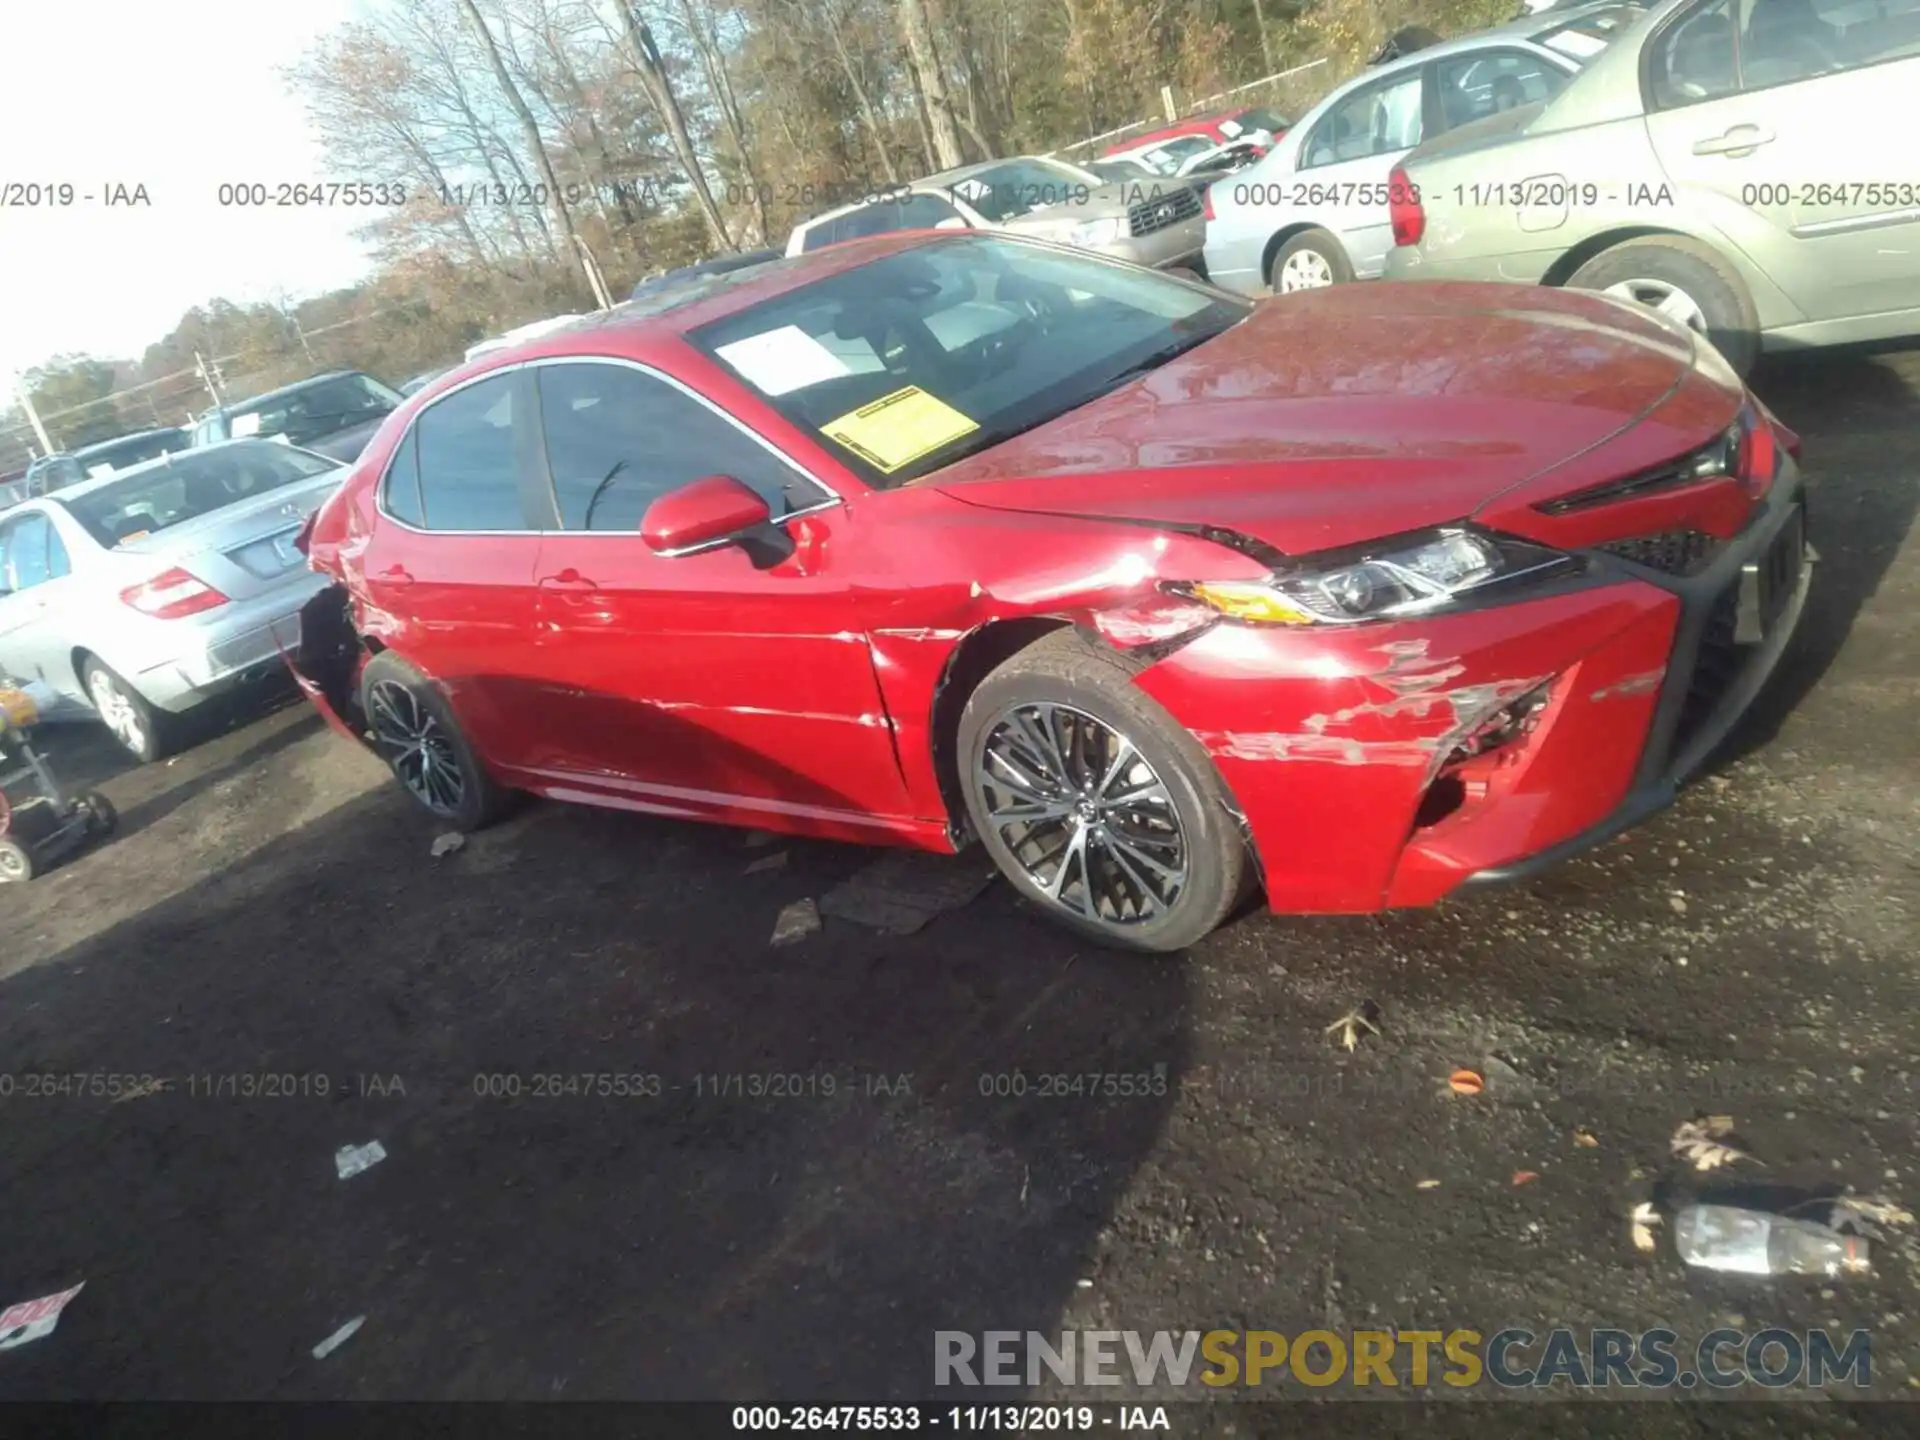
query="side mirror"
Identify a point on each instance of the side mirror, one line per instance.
(714, 507)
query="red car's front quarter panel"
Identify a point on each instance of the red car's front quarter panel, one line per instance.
(1329, 737)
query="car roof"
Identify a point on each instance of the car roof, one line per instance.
(1523, 28)
(123, 439)
(284, 390)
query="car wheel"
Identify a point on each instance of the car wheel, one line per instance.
(16, 862)
(1685, 281)
(144, 732)
(1311, 260)
(1095, 803)
(413, 729)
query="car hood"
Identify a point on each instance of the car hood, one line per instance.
(1346, 414)
(1101, 203)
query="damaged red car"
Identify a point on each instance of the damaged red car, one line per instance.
(1160, 595)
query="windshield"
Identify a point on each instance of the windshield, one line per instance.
(1015, 187)
(911, 361)
(191, 483)
(111, 455)
(1586, 37)
(314, 411)
(1167, 157)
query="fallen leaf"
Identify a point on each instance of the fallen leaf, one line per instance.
(1525, 1177)
(1586, 1139)
(1428, 1185)
(1346, 1030)
(1645, 1217)
(1466, 1082)
(1870, 1208)
(1700, 1143)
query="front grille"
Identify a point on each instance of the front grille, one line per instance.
(1168, 208)
(1721, 657)
(1671, 552)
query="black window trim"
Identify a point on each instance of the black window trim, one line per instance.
(537, 502)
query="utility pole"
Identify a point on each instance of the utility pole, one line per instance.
(211, 377)
(33, 419)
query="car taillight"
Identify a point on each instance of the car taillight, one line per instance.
(1404, 210)
(172, 595)
(1206, 200)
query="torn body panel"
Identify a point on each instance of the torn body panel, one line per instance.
(1332, 741)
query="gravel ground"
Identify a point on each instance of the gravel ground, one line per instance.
(270, 907)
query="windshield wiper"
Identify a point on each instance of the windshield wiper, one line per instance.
(1154, 359)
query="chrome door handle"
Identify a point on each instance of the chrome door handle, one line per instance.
(1739, 138)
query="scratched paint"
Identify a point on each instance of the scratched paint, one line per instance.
(1331, 749)
(1637, 684)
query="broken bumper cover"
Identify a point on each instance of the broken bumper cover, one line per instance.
(1385, 765)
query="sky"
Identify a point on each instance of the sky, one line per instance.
(179, 97)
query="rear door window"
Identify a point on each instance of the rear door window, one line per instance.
(1489, 81)
(469, 474)
(1375, 120)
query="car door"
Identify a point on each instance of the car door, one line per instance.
(1347, 158)
(36, 574)
(1781, 125)
(727, 680)
(448, 572)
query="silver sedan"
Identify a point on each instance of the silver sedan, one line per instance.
(137, 596)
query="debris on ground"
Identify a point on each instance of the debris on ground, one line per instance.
(1677, 902)
(775, 861)
(1739, 1241)
(32, 1320)
(338, 1338)
(1347, 1029)
(448, 843)
(1701, 1142)
(1428, 1185)
(1642, 1222)
(1866, 1212)
(1466, 1082)
(795, 922)
(1586, 1139)
(1525, 1177)
(144, 1086)
(350, 1160)
(901, 891)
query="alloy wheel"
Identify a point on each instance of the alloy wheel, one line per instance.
(1083, 814)
(417, 746)
(1662, 295)
(116, 710)
(1305, 270)
(13, 866)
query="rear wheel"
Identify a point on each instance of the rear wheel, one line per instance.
(1685, 281)
(102, 818)
(16, 862)
(145, 732)
(1311, 260)
(1095, 803)
(414, 730)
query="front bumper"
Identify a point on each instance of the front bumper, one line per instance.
(238, 643)
(1343, 749)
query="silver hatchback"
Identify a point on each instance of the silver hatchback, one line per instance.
(139, 595)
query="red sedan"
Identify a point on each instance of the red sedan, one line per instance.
(1159, 594)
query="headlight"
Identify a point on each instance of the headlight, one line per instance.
(1415, 576)
(1090, 234)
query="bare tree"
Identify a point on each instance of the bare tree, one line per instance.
(917, 30)
(654, 76)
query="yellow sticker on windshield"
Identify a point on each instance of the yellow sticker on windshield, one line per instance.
(898, 429)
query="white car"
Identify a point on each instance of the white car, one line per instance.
(138, 595)
(1315, 211)
(1185, 155)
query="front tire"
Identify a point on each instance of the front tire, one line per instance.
(413, 729)
(1095, 803)
(1686, 281)
(143, 731)
(1311, 260)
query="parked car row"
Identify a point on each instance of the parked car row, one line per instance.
(1728, 162)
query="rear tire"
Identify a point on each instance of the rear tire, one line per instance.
(413, 729)
(144, 732)
(1686, 280)
(1311, 260)
(16, 863)
(102, 818)
(1091, 832)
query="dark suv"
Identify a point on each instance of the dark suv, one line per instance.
(333, 414)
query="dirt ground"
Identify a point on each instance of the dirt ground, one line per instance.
(270, 907)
